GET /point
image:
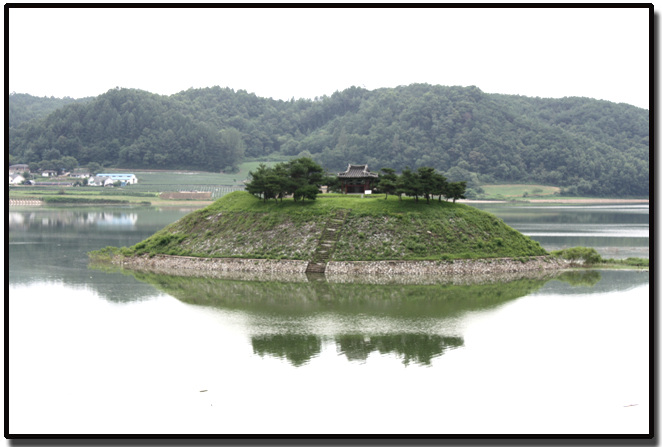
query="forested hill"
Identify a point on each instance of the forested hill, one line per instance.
(590, 147)
(24, 107)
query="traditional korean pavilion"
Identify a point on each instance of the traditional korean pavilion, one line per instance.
(357, 179)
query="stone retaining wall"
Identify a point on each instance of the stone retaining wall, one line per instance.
(454, 267)
(174, 264)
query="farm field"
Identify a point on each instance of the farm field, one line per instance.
(513, 191)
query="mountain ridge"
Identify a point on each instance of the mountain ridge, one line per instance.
(588, 146)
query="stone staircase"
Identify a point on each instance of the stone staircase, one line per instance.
(327, 242)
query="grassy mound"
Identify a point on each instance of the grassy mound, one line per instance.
(240, 225)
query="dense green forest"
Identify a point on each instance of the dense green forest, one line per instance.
(24, 107)
(586, 146)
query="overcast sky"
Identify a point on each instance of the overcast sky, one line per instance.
(282, 53)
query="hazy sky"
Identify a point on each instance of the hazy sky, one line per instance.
(282, 53)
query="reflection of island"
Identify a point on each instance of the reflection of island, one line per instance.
(291, 320)
(305, 298)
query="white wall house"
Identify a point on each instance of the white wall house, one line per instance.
(128, 179)
(100, 180)
(80, 174)
(16, 179)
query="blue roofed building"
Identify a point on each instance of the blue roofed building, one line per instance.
(124, 179)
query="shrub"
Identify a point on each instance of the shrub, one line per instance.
(588, 255)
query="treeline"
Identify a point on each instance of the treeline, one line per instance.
(302, 178)
(127, 128)
(24, 107)
(586, 146)
(424, 182)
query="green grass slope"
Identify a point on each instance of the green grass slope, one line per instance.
(240, 225)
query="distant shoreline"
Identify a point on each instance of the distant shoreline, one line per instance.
(595, 201)
(203, 203)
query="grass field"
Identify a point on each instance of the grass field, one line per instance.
(507, 192)
(153, 178)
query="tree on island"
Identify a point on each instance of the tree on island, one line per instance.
(387, 182)
(300, 177)
(456, 190)
(424, 182)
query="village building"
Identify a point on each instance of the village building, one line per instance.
(19, 168)
(100, 180)
(49, 173)
(124, 179)
(16, 179)
(357, 179)
(80, 173)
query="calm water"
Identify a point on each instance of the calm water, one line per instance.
(615, 231)
(102, 351)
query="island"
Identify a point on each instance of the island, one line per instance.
(337, 234)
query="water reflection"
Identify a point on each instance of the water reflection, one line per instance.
(293, 320)
(615, 231)
(416, 348)
(39, 220)
(587, 278)
(297, 349)
(51, 245)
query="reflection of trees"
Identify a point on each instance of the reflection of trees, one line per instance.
(298, 349)
(283, 312)
(575, 282)
(417, 348)
(580, 277)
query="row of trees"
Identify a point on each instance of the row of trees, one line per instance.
(302, 178)
(424, 182)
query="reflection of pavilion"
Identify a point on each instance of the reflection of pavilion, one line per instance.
(357, 179)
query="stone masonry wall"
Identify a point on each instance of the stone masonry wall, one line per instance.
(388, 268)
(454, 267)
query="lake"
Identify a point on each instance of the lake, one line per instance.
(100, 351)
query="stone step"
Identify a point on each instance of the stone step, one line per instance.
(316, 267)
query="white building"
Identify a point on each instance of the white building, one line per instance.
(100, 180)
(16, 179)
(128, 179)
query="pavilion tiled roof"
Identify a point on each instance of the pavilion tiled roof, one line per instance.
(357, 171)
